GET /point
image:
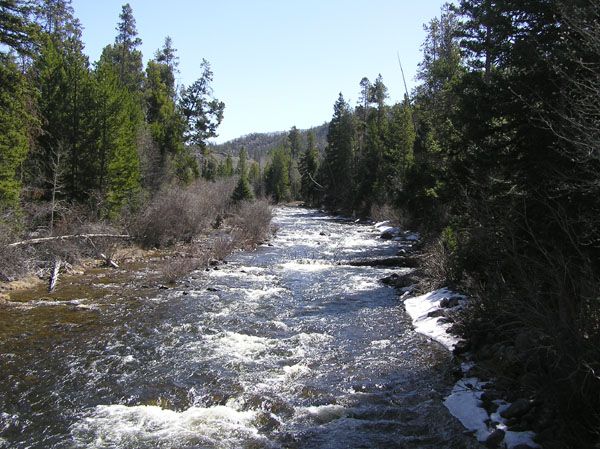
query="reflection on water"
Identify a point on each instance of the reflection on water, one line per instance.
(279, 348)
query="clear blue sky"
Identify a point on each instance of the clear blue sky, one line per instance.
(276, 63)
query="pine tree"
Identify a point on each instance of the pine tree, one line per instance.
(203, 112)
(168, 55)
(277, 180)
(294, 140)
(164, 119)
(65, 106)
(16, 29)
(243, 190)
(14, 142)
(118, 119)
(309, 167)
(228, 166)
(125, 53)
(398, 157)
(242, 166)
(338, 164)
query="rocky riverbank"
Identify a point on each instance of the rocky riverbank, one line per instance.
(480, 400)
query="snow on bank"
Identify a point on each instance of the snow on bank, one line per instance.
(421, 308)
(464, 402)
(395, 233)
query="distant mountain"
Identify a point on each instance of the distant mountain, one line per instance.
(258, 145)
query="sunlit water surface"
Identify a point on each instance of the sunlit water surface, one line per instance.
(283, 347)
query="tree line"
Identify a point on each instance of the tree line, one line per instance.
(495, 155)
(105, 135)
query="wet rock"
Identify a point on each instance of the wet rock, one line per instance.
(437, 313)
(162, 287)
(524, 446)
(446, 320)
(323, 233)
(448, 303)
(212, 289)
(490, 395)
(516, 409)
(213, 262)
(399, 261)
(387, 235)
(461, 347)
(495, 438)
(398, 280)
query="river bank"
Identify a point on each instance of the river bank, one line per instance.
(480, 399)
(105, 264)
(284, 346)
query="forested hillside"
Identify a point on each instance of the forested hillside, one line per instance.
(258, 145)
(494, 157)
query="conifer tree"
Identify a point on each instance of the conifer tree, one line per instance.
(65, 106)
(14, 143)
(125, 53)
(164, 119)
(228, 166)
(338, 164)
(118, 119)
(277, 180)
(242, 166)
(294, 140)
(309, 166)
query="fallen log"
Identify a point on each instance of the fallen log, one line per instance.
(67, 237)
(398, 261)
(108, 261)
(54, 275)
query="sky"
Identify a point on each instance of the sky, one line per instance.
(276, 63)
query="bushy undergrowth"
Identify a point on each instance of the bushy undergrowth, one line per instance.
(181, 213)
(251, 222)
(534, 319)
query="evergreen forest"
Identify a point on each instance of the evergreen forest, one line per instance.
(494, 157)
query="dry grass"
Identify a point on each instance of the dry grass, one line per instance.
(250, 222)
(180, 214)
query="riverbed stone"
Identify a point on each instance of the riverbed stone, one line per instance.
(495, 438)
(387, 235)
(437, 313)
(398, 280)
(448, 303)
(517, 409)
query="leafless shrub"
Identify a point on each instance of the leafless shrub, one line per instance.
(385, 212)
(251, 222)
(13, 261)
(179, 214)
(222, 246)
(175, 268)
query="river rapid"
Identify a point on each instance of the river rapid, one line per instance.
(282, 347)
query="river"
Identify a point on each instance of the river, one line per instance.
(282, 347)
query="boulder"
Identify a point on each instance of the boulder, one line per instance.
(387, 235)
(495, 438)
(448, 303)
(398, 280)
(437, 313)
(516, 409)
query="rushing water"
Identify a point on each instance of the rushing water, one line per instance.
(282, 347)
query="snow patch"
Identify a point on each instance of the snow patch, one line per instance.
(464, 404)
(419, 308)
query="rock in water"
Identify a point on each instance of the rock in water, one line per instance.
(516, 409)
(495, 438)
